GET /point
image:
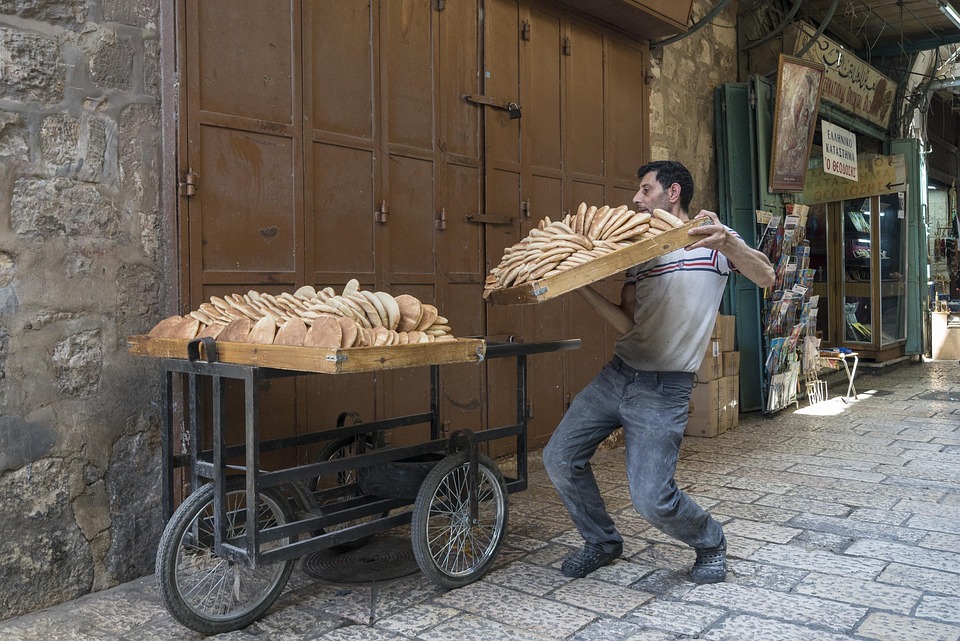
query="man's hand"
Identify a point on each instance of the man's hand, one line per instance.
(748, 261)
(715, 235)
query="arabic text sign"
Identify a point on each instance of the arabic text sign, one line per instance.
(848, 82)
(839, 151)
(878, 175)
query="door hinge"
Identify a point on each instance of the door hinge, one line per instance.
(381, 215)
(530, 409)
(188, 186)
(444, 428)
(525, 30)
(442, 219)
(525, 208)
(567, 46)
(441, 5)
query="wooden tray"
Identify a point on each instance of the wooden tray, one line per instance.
(537, 291)
(315, 359)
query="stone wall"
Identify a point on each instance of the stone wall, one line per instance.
(81, 267)
(684, 75)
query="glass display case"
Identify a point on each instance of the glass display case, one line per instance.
(871, 285)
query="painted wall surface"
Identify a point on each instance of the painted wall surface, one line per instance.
(81, 254)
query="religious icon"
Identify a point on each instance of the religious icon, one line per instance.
(795, 120)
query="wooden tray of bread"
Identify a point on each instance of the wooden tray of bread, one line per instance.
(560, 281)
(320, 359)
(313, 330)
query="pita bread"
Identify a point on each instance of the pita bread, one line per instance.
(374, 300)
(429, 317)
(236, 331)
(186, 329)
(352, 286)
(164, 327)
(411, 310)
(291, 333)
(381, 336)
(349, 332)
(325, 332)
(263, 332)
(306, 292)
(368, 309)
(393, 309)
(213, 331)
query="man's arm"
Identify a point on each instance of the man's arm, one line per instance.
(749, 262)
(620, 317)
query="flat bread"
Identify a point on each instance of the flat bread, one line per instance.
(352, 286)
(306, 292)
(325, 332)
(293, 332)
(349, 332)
(263, 332)
(236, 331)
(186, 329)
(165, 327)
(429, 317)
(393, 309)
(381, 336)
(213, 331)
(411, 310)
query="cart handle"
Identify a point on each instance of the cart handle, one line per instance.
(209, 345)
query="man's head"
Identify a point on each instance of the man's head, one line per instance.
(664, 183)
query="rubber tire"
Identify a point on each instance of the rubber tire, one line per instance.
(171, 544)
(331, 451)
(436, 528)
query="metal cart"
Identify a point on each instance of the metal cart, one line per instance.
(220, 565)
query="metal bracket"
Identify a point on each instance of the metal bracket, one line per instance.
(481, 354)
(487, 219)
(512, 108)
(335, 358)
(539, 291)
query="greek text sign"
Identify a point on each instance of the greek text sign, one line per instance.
(839, 151)
(877, 175)
(849, 82)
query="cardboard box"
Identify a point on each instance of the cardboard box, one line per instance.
(711, 368)
(714, 407)
(704, 418)
(725, 329)
(731, 364)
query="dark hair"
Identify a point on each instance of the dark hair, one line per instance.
(669, 172)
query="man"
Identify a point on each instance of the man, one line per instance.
(665, 317)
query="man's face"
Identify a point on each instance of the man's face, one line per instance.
(651, 194)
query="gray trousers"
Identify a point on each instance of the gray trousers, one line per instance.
(652, 409)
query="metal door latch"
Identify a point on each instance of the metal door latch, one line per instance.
(512, 108)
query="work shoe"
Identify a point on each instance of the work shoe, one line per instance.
(711, 564)
(587, 559)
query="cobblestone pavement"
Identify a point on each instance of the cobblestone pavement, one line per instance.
(843, 521)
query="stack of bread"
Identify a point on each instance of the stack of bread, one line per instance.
(558, 245)
(311, 318)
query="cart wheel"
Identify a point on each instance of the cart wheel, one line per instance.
(336, 450)
(203, 591)
(450, 550)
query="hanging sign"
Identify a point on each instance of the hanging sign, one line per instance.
(839, 151)
(849, 82)
(878, 175)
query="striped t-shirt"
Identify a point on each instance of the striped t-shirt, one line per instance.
(678, 296)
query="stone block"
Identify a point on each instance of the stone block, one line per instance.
(68, 13)
(78, 363)
(137, 13)
(139, 163)
(111, 63)
(22, 442)
(73, 147)
(14, 137)
(138, 305)
(61, 207)
(31, 67)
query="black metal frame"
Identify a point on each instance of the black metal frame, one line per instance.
(211, 464)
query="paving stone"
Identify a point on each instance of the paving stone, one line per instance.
(472, 628)
(905, 554)
(760, 531)
(415, 620)
(814, 561)
(678, 617)
(541, 616)
(527, 577)
(800, 504)
(855, 529)
(617, 630)
(750, 628)
(867, 593)
(846, 497)
(925, 579)
(834, 473)
(593, 593)
(941, 541)
(359, 633)
(892, 627)
(949, 525)
(753, 512)
(769, 603)
(760, 575)
(940, 608)
(886, 517)
(822, 542)
(722, 493)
